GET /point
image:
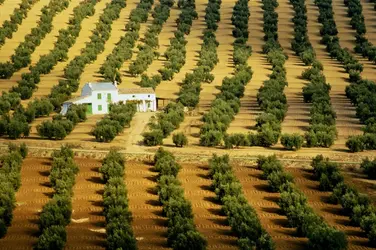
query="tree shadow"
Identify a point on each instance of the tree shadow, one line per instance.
(262, 187)
(215, 211)
(212, 199)
(97, 203)
(152, 191)
(154, 203)
(45, 184)
(271, 199)
(271, 210)
(282, 222)
(95, 179)
(44, 173)
(205, 187)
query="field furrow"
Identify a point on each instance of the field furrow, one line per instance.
(59, 22)
(264, 202)
(127, 80)
(170, 89)
(5, 13)
(206, 210)
(346, 36)
(347, 123)
(8, 49)
(30, 198)
(191, 124)
(369, 19)
(86, 229)
(298, 115)
(331, 213)
(148, 223)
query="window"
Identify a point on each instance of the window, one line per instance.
(149, 96)
(108, 97)
(99, 107)
(133, 96)
(149, 105)
(99, 96)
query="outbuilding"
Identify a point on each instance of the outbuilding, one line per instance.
(98, 97)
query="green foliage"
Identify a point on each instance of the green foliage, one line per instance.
(180, 139)
(119, 117)
(369, 168)
(241, 217)
(292, 141)
(181, 233)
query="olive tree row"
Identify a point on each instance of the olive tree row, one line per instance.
(56, 214)
(176, 53)
(115, 204)
(189, 93)
(67, 37)
(322, 131)
(270, 96)
(123, 49)
(182, 233)
(227, 102)
(119, 117)
(163, 124)
(72, 73)
(300, 215)
(29, 81)
(362, 92)
(241, 217)
(22, 55)
(356, 205)
(191, 85)
(147, 51)
(16, 19)
(60, 126)
(10, 182)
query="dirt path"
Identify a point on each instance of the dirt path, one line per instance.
(206, 210)
(331, 213)
(90, 73)
(88, 24)
(256, 191)
(191, 124)
(31, 197)
(86, 228)
(7, 50)
(347, 38)
(347, 123)
(369, 19)
(131, 137)
(7, 9)
(148, 223)
(297, 116)
(127, 80)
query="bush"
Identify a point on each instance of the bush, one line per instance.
(292, 142)
(180, 139)
(369, 168)
(277, 179)
(53, 237)
(355, 143)
(325, 237)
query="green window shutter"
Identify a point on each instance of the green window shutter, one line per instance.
(99, 96)
(99, 107)
(109, 97)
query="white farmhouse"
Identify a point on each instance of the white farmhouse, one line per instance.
(99, 96)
